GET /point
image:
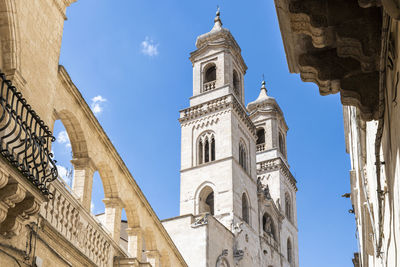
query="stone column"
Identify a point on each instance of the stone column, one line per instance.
(135, 242)
(83, 180)
(113, 209)
(153, 257)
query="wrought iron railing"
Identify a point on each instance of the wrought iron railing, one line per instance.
(25, 139)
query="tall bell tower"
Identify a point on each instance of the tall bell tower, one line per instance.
(218, 140)
(234, 177)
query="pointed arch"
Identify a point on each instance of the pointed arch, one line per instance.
(206, 148)
(205, 198)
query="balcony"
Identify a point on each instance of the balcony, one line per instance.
(208, 86)
(25, 139)
(26, 165)
(260, 147)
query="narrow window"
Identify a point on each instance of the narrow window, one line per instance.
(242, 156)
(245, 208)
(289, 251)
(206, 151)
(200, 152)
(288, 207)
(212, 149)
(210, 202)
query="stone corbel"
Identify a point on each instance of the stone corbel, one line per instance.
(21, 212)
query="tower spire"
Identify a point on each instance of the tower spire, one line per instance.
(217, 21)
(263, 88)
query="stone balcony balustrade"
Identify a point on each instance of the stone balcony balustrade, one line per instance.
(68, 216)
(260, 147)
(209, 86)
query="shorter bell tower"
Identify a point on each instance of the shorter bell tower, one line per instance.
(276, 185)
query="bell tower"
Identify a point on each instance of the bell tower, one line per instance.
(276, 185)
(218, 171)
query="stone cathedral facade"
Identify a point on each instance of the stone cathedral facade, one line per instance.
(238, 196)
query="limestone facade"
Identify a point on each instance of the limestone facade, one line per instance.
(352, 47)
(237, 199)
(55, 227)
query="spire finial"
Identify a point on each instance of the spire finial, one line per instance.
(263, 84)
(217, 20)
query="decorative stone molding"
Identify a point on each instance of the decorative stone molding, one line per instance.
(276, 164)
(337, 47)
(224, 102)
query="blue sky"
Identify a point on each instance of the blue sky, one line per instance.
(129, 59)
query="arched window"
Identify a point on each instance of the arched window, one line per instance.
(212, 149)
(206, 148)
(268, 225)
(206, 200)
(200, 152)
(282, 144)
(288, 207)
(211, 74)
(242, 156)
(289, 251)
(236, 83)
(206, 151)
(245, 208)
(260, 136)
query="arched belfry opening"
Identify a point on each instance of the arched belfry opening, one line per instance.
(210, 74)
(282, 147)
(206, 200)
(236, 83)
(260, 136)
(210, 77)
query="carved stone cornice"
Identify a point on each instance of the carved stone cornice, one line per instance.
(337, 46)
(229, 101)
(276, 164)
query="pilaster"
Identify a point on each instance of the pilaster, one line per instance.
(113, 209)
(83, 180)
(135, 242)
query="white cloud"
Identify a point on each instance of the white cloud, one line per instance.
(96, 104)
(149, 48)
(92, 207)
(63, 138)
(65, 174)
